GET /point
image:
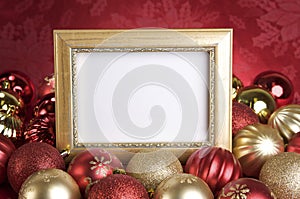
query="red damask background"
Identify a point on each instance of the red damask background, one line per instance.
(266, 32)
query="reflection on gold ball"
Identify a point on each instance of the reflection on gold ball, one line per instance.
(237, 84)
(150, 168)
(183, 186)
(49, 184)
(260, 100)
(281, 173)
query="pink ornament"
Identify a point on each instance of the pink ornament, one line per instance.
(214, 165)
(92, 165)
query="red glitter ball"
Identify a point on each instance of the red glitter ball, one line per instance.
(118, 186)
(242, 115)
(30, 158)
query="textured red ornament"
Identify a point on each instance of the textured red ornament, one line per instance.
(6, 192)
(92, 165)
(118, 186)
(6, 149)
(19, 83)
(30, 158)
(215, 165)
(248, 188)
(46, 86)
(294, 144)
(41, 129)
(278, 85)
(242, 115)
(45, 106)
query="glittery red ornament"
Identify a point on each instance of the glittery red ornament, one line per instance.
(45, 106)
(248, 188)
(6, 149)
(294, 144)
(19, 83)
(118, 186)
(92, 165)
(30, 158)
(41, 129)
(278, 85)
(46, 86)
(242, 115)
(215, 165)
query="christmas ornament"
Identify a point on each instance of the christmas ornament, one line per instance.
(6, 192)
(29, 158)
(259, 99)
(6, 149)
(242, 115)
(20, 84)
(278, 85)
(50, 184)
(247, 188)
(46, 86)
(254, 144)
(215, 165)
(92, 165)
(183, 186)
(294, 144)
(287, 120)
(41, 129)
(152, 167)
(118, 186)
(12, 111)
(281, 173)
(237, 84)
(45, 106)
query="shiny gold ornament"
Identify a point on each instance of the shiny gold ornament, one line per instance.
(281, 173)
(12, 114)
(254, 144)
(183, 186)
(237, 84)
(287, 120)
(260, 100)
(152, 167)
(49, 184)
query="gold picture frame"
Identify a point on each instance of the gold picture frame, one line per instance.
(82, 57)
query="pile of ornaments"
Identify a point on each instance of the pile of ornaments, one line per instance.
(264, 162)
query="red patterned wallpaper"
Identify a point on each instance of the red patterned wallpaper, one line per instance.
(266, 32)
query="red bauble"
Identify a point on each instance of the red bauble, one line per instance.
(278, 85)
(215, 165)
(30, 158)
(46, 86)
(248, 188)
(6, 149)
(92, 165)
(41, 129)
(294, 144)
(6, 192)
(19, 83)
(118, 186)
(45, 106)
(242, 115)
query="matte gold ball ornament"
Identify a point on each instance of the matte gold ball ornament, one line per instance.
(183, 186)
(254, 144)
(287, 120)
(50, 184)
(152, 167)
(259, 99)
(281, 173)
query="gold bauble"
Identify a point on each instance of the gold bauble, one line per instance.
(259, 99)
(152, 167)
(49, 184)
(254, 144)
(237, 84)
(183, 186)
(287, 120)
(281, 173)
